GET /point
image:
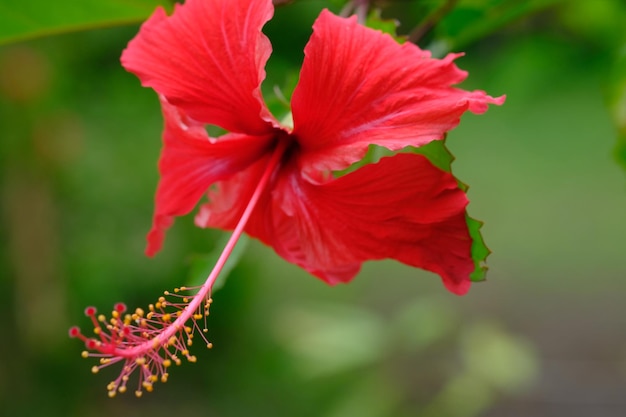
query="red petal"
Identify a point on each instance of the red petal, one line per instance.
(191, 162)
(359, 87)
(229, 198)
(208, 59)
(227, 202)
(402, 208)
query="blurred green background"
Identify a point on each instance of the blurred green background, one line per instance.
(544, 336)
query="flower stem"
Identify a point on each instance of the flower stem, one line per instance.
(357, 7)
(431, 21)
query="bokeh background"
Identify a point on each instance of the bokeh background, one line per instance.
(544, 336)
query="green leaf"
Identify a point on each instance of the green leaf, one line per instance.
(479, 250)
(437, 152)
(388, 26)
(20, 20)
(439, 155)
(472, 20)
(202, 265)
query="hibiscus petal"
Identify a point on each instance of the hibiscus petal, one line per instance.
(191, 162)
(228, 200)
(208, 58)
(402, 208)
(358, 87)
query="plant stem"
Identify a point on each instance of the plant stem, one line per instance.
(431, 21)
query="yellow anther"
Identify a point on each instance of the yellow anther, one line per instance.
(138, 394)
(84, 354)
(139, 312)
(102, 318)
(166, 317)
(205, 330)
(115, 314)
(188, 329)
(158, 306)
(161, 299)
(172, 341)
(140, 361)
(94, 369)
(166, 292)
(112, 386)
(164, 378)
(183, 288)
(153, 378)
(189, 342)
(97, 330)
(125, 378)
(176, 289)
(150, 315)
(122, 389)
(192, 359)
(177, 361)
(185, 300)
(151, 307)
(112, 394)
(167, 363)
(104, 361)
(184, 352)
(209, 345)
(197, 316)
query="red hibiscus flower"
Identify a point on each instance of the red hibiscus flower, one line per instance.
(358, 87)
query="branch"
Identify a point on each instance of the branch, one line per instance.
(431, 21)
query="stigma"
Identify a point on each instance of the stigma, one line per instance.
(147, 342)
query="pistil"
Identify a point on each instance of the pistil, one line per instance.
(150, 342)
